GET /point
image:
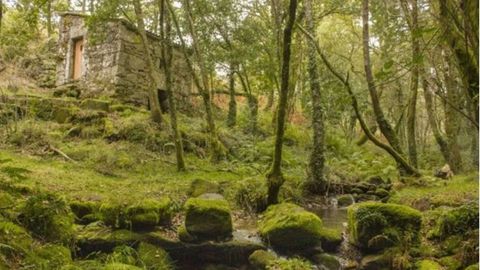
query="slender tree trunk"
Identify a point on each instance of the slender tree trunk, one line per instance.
(442, 143)
(275, 178)
(452, 121)
(218, 151)
(382, 122)
(49, 18)
(167, 55)
(317, 156)
(155, 111)
(252, 101)
(232, 104)
(1, 15)
(412, 104)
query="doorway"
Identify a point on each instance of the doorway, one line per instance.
(77, 58)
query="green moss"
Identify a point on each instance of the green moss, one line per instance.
(200, 186)
(49, 257)
(148, 213)
(450, 263)
(327, 261)
(154, 258)
(208, 218)
(288, 226)
(290, 264)
(113, 214)
(428, 265)
(456, 221)
(17, 242)
(250, 194)
(330, 239)
(472, 267)
(120, 266)
(48, 216)
(122, 254)
(345, 200)
(366, 220)
(260, 259)
(81, 209)
(96, 104)
(184, 236)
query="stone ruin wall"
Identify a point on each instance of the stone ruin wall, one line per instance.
(99, 56)
(114, 62)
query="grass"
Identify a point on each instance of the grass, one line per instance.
(455, 192)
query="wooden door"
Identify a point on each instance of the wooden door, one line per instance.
(77, 59)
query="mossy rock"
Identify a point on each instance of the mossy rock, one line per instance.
(200, 186)
(345, 200)
(149, 213)
(63, 114)
(472, 267)
(450, 263)
(81, 209)
(382, 193)
(48, 217)
(380, 242)
(184, 236)
(456, 221)
(113, 214)
(428, 265)
(330, 239)
(327, 261)
(369, 219)
(261, 259)
(208, 217)
(154, 258)
(120, 266)
(375, 262)
(288, 226)
(96, 104)
(50, 257)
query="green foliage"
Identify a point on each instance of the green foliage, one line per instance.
(428, 265)
(290, 264)
(48, 217)
(153, 258)
(250, 194)
(456, 221)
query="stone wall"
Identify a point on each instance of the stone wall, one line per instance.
(114, 61)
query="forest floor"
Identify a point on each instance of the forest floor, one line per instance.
(100, 151)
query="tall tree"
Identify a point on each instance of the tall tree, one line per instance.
(155, 110)
(382, 122)
(201, 82)
(167, 55)
(275, 177)
(317, 182)
(412, 19)
(232, 104)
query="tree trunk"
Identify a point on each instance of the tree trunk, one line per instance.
(452, 121)
(1, 15)
(232, 104)
(218, 151)
(275, 178)
(382, 122)
(442, 143)
(167, 54)
(49, 18)
(252, 102)
(412, 104)
(155, 111)
(317, 157)
(398, 158)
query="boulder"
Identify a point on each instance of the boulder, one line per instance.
(450, 263)
(200, 186)
(376, 180)
(472, 267)
(149, 213)
(261, 259)
(330, 239)
(381, 193)
(456, 221)
(428, 265)
(287, 226)
(375, 262)
(327, 262)
(379, 242)
(208, 217)
(370, 219)
(345, 200)
(96, 104)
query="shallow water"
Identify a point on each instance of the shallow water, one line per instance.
(333, 218)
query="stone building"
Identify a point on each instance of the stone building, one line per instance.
(110, 61)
